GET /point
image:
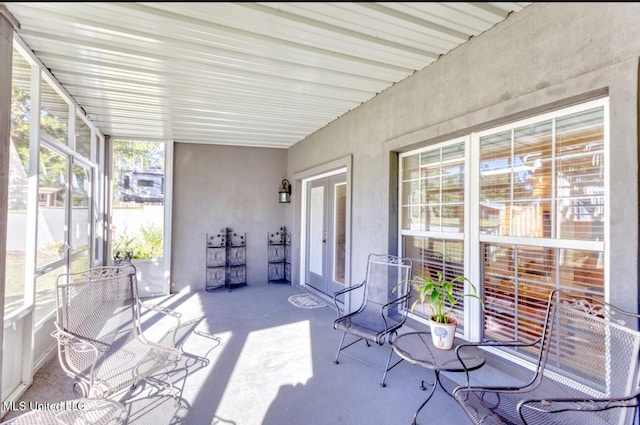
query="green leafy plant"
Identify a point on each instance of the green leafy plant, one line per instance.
(146, 244)
(439, 294)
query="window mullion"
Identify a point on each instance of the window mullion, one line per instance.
(554, 182)
(512, 182)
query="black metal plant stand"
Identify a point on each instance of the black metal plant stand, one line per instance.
(278, 255)
(226, 260)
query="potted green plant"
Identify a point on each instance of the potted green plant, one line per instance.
(440, 295)
(144, 250)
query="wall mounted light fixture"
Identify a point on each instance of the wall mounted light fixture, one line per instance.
(285, 192)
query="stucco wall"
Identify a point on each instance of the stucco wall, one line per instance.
(546, 56)
(224, 186)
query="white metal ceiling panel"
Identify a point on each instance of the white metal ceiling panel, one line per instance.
(247, 74)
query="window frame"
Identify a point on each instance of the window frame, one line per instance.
(473, 240)
(470, 309)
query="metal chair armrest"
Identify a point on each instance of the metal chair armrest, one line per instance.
(390, 304)
(77, 344)
(491, 343)
(544, 406)
(396, 301)
(344, 291)
(167, 312)
(347, 289)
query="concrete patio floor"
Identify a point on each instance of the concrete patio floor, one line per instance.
(250, 357)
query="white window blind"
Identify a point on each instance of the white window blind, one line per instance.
(537, 212)
(433, 206)
(542, 194)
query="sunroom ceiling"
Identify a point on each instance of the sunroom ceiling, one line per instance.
(247, 74)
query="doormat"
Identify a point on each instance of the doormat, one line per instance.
(306, 301)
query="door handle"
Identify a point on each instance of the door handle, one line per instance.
(324, 237)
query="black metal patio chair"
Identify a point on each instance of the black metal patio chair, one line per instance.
(586, 370)
(375, 311)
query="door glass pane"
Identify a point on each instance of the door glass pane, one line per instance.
(138, 204)
(54, 114)
(340, 214)
(83, 138)
(98, 203)
(316, 229)
(45, 292)
(51, 247)
(81, 182)
(52, 177)
(18, 174)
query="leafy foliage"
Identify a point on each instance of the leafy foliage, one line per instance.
(52, 164)
(439, 294)
(20, 116)
(145, 244)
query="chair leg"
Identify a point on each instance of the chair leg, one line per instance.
(342, 347)
(174, 393)
(388, 368)
(344, 334)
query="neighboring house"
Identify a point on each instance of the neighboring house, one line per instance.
(49, 196)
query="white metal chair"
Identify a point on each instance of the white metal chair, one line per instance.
(100, 340)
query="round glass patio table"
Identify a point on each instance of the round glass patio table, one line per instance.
(417, 348)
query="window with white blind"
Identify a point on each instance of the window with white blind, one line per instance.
(535, 207)
(541, 216)
(433, 206)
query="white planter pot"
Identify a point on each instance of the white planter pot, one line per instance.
(443, 334)
(151, 276)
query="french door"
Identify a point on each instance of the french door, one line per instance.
(65, 229)
(326, 231)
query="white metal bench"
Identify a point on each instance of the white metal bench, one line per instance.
(101, 344)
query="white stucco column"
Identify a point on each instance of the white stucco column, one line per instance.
(7, 25)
